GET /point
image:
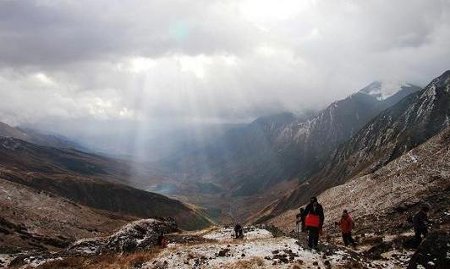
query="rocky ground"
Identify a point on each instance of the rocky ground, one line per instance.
(134, 246)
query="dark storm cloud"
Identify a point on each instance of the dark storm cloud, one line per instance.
(48, 32)
(208, 59)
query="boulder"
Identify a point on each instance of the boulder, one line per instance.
(138, 235)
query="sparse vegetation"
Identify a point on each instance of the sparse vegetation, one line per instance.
(106, 261)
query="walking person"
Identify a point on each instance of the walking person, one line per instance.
(420, 222)
(346, 224)
(162, 241)
(313, 219)
(238, 231)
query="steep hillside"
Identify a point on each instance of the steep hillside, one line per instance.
(418, 176)
(31, 219)
(396, 130)
(88, 179)
(382, 204)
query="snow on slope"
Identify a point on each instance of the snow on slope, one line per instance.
(416, 174)
(383, 90)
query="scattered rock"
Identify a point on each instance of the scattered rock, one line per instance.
(432, 253)
(375, 252)
(223, 252)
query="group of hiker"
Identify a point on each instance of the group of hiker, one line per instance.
(311, 218)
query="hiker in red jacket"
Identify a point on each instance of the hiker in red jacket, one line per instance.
(313, 217)
(346, 224)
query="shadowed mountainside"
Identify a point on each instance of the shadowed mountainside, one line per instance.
(88, 179)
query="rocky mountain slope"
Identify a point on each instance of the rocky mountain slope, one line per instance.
(381, 202)
(396, 130)
(89, 180)
(406, 182)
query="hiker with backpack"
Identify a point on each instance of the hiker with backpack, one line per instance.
(313, 220)
(346, 224)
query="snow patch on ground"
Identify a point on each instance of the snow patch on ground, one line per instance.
(258, 249)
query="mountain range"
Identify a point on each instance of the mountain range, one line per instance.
(271, 149)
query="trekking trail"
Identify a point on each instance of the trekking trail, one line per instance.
(259, 249)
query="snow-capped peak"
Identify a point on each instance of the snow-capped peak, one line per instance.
(383, 89)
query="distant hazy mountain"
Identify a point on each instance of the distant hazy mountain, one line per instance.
(136, 140)
(36, 137)
(283, 146)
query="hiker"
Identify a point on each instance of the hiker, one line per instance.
(346, 224)
(238, 231)
(300, 222)
(420, 222)
(162, 241)
(313, 220)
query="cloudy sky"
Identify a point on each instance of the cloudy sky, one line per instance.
(208, 60)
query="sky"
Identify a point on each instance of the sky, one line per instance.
(207, 60)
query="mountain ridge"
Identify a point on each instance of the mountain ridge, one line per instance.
(396, 130)
(281, 146)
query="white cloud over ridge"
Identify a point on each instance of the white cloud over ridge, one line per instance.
(208, 59)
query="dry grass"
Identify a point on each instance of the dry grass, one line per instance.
(105, 261)
(255, 262)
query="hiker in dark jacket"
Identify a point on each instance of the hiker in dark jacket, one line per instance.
(162, 241)
(420, 222)
(238, 231)
(313, 220)
(346, 224)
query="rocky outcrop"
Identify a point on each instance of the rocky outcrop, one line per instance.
(139, 235)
